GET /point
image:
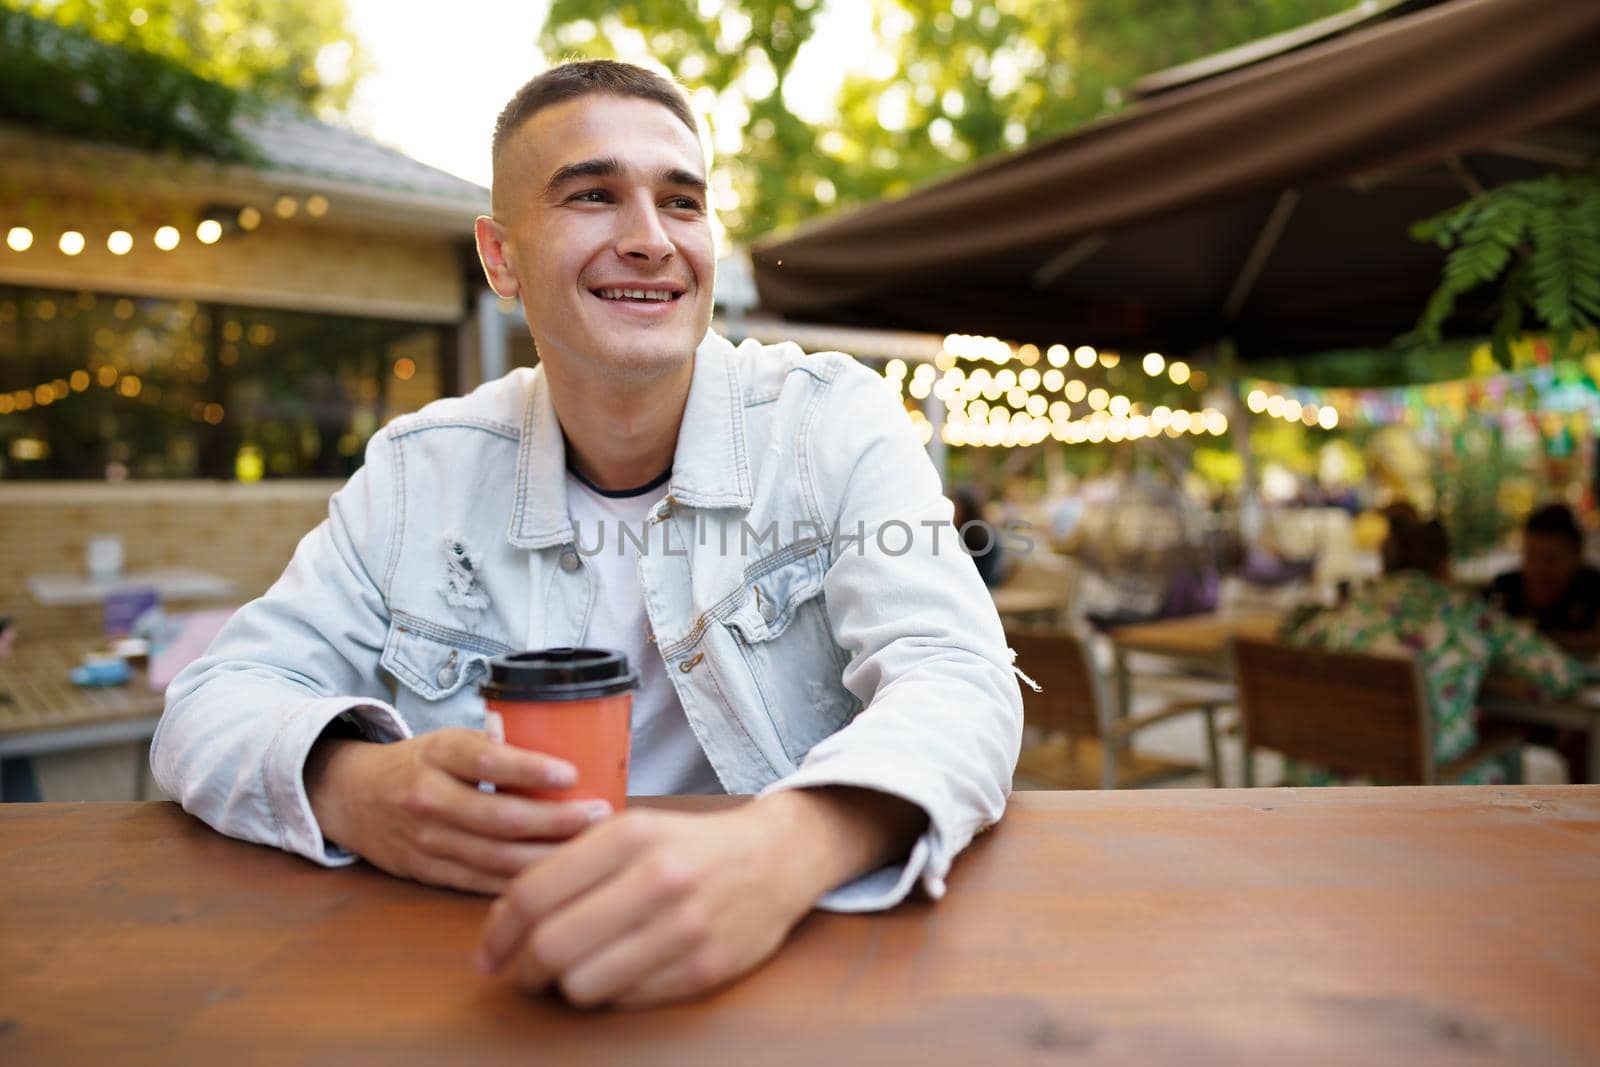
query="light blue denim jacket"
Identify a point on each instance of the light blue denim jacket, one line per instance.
(817, 617)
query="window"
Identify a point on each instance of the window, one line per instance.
(97, 385)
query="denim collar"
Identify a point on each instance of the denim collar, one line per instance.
(710, 466)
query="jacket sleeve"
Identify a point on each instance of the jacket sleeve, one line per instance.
(941, 724)
(239, 722)
(1520, 651)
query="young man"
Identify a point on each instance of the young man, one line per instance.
(831, 655)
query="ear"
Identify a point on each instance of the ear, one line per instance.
(494, 252)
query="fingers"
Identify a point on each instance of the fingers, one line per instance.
(475, 757)
(503, 816)
(641, 892)
(503, 859)
(453, 875)
(675, 980)
(539, 892)
(652, 940)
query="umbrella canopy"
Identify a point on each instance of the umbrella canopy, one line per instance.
(1270, 204)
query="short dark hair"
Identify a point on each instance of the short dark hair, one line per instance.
(1413, 545)
(1556, 520)
(581, 77)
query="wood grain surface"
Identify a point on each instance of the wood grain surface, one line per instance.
(1437, 925)
(1196, 636)
(44, 698)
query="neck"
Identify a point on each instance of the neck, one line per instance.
(620, 434)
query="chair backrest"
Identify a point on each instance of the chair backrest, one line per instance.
(1071, 699)
(1353, 713)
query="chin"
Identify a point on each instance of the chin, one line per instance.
(649, 358)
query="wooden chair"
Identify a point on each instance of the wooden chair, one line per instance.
(1073, 700)
(1354, 713)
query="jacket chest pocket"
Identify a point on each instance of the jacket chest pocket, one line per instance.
(781, 624)
(440, 670)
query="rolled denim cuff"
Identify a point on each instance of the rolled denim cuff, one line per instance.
(285, 763)
(927, 864)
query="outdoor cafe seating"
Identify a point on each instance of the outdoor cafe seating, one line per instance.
(1072, 705)
(1353, 713)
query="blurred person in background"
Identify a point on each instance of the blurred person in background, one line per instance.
(1458, 638)
(1555, 590)
(979, 539)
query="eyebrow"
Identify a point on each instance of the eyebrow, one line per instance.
(609, 167)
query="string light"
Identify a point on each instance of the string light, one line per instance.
(120, 242)
(1258, 401)
(1032, 401)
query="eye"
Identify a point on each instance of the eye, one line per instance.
(684, 203)
(592, 196)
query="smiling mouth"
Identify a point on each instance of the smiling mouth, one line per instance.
(637, 296)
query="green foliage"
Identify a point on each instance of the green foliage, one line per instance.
(957, 81)
(1540, 241)
(266, 48)
(65, 80)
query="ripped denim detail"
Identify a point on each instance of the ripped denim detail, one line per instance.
(461, 570)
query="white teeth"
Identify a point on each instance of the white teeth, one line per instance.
(635, 294)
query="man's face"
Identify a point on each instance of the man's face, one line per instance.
(605, 234)
(1549, 563)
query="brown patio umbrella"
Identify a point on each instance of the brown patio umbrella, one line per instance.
(1270, 204)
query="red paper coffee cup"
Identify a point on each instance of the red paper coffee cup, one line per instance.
(572, 703)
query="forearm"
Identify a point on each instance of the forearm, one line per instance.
(833, 834)
(333, 760)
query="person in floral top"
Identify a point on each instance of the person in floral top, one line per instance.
(1459, 639)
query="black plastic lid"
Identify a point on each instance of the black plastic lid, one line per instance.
(559, 674)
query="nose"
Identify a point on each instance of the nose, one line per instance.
(642, 236)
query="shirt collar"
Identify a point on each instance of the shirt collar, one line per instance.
(710, 466)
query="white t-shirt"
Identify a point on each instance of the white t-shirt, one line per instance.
(666, 757)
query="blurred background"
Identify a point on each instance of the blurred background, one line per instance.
(1194, 290)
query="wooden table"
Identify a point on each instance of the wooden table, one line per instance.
(1197, 642)
(1013, 603)
(47, 713)
(1404, 926)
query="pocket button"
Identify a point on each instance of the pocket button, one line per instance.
(447, 677)
(569, 561)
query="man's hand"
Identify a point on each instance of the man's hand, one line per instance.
(656, 906)
(414, 809)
